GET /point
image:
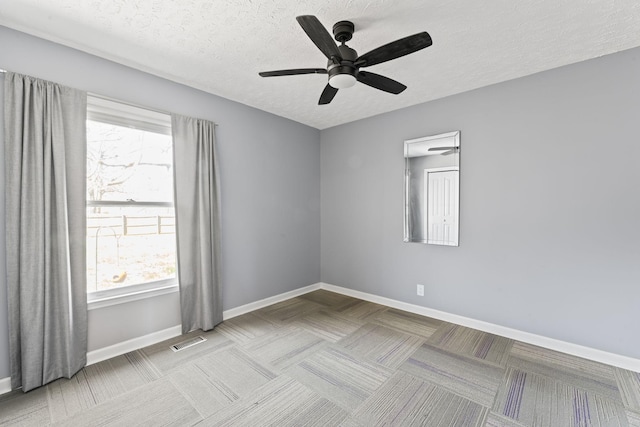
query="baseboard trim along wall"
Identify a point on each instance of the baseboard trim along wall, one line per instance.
(133, 344)
(620, 361)
(5, 385)
(137, 343)
(243, 309)
(601, 356)
(596, 355)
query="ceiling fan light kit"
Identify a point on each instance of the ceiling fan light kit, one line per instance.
(343, 66)
(342, 80)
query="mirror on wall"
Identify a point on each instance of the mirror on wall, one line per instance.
(432, 189)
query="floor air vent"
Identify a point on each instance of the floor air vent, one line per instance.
(188, 343)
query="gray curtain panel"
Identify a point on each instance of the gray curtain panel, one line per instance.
(197, 204)
(45, 155)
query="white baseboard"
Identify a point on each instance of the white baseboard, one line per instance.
(133, 344)
(115, 350)
(620, 361)
(596, 355)
(243, 309)
(5, 385)
(137, 343)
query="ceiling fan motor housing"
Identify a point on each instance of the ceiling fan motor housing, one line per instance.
(343, 74)
(343, 31)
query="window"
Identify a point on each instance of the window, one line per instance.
(131, 242)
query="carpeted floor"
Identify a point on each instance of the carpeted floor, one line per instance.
(325, 359)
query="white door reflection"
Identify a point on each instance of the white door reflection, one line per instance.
(441, 188)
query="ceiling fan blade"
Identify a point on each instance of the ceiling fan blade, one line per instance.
(380, 82)
(293, 72)
(445, 150)
(395, 49)
(319, 35)
(327, 94)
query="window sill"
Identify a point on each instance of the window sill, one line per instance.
(131, 296)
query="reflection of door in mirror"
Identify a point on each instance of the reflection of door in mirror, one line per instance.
(441, 188)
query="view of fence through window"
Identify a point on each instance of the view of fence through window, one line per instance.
(130, 215)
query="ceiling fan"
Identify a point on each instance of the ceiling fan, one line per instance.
(445, 150)
(344, 63)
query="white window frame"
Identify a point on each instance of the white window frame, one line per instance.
(106, 110)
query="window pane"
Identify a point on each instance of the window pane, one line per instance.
(125, 163)
(129, 245)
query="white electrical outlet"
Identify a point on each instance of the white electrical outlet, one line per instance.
(420, 290)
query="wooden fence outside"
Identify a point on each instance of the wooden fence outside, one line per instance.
(131, 225)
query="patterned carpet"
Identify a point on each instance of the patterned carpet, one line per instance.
(324, 359)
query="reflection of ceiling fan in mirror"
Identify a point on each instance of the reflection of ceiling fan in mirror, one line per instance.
(445, 150)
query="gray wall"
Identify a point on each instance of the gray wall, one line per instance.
(270, 185)
(550, 206)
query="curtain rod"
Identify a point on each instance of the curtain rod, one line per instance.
(131, 104)
(155, 110)
(2, 71)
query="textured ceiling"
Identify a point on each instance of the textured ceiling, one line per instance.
(220, 46)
